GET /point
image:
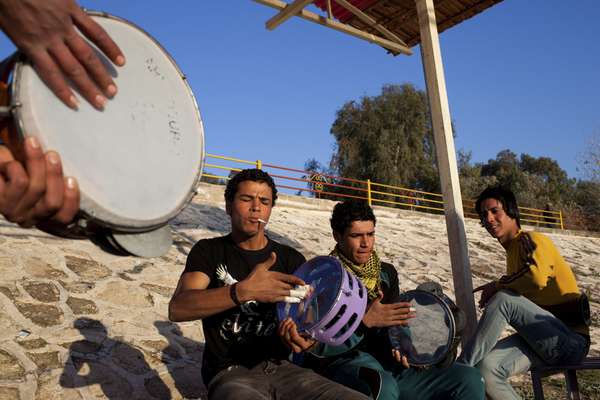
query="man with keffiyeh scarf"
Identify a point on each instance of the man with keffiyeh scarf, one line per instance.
(365, 362)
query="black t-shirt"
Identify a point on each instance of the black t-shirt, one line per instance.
(247, 334)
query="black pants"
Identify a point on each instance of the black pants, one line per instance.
(276, 380)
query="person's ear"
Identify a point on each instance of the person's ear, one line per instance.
(228, 208)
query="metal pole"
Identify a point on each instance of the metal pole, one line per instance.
(447, 166)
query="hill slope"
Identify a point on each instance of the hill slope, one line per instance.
(76, 322)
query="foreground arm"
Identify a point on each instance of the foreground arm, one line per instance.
(45, 30)
(192, 300)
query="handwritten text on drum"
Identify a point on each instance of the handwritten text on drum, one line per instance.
(153, 68)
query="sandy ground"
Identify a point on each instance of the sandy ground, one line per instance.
(78, 323)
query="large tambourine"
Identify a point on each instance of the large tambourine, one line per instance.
(334, 304)
(430, 335)
(138, 161)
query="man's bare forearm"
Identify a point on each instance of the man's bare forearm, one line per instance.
(193, 304)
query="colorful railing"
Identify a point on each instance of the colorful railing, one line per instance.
(335, 187)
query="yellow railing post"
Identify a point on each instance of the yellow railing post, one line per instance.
(369, 192)
(258, 164)
(561, 220)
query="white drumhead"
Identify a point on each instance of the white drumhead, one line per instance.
(138, 161)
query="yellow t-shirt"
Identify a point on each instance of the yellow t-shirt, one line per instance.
(538, 272)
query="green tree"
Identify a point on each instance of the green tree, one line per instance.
(555, 185)
(505, 167)
(537, 181)
(387, 138)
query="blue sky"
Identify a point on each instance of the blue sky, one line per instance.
(523, 75)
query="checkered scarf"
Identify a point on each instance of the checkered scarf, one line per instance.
(368, 273)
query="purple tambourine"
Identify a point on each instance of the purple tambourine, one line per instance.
(334, 304)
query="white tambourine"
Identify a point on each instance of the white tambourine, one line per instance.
(139, 160)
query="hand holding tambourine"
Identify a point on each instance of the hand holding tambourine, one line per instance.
(380, 315)
(33, 189)
(431, 337)
(331, 307)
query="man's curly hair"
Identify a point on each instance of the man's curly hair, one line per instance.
(251, 174)
(348, 211)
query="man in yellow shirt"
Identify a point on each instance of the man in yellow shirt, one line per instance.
(538, 297)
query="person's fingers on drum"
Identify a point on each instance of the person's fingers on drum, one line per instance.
(404, 309)
(53, 198)
(35, 165)
(5, 157)
(50, 72)
(281, 328)
(16, 182)
(405, 363)
(293, 330)
(399, 357)
(76, 72)
(292, 339)
(40, 27)
(285, 334)
(398, 314)
(267, 286)
(70, 204)
(284, 327)
(299, 342)
(290, 280)
(402, 319)
(92, 63)
(97, 35)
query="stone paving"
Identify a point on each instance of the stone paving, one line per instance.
(79, 323)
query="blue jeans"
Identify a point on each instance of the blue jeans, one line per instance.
(541, 339)
(455, 382)
(276, 380)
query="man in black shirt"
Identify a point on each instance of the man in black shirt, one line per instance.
(232, 283)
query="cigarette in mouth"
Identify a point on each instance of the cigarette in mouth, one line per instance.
(262, 221)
